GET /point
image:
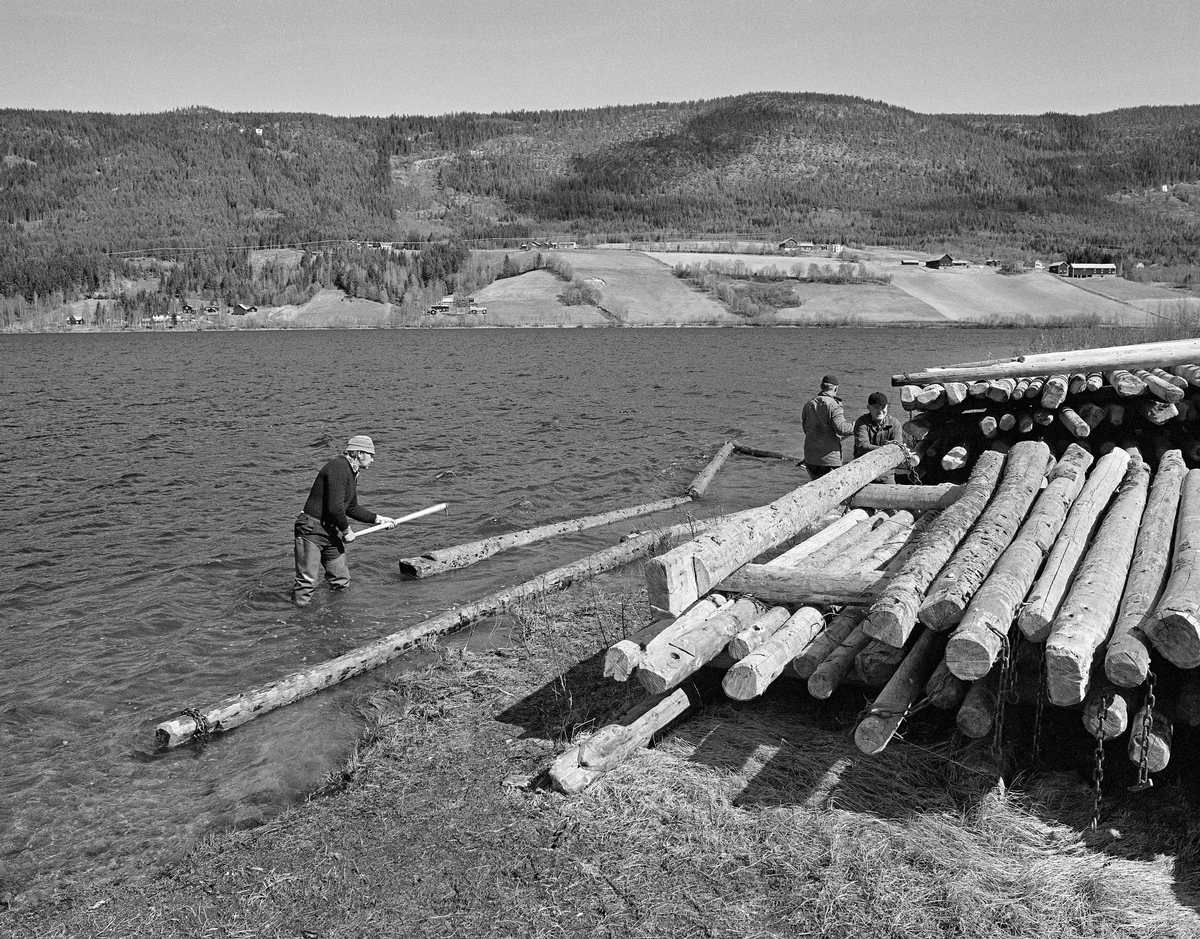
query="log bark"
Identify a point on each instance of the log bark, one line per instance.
(581, 765)
(759, 631)
(464, 555)
(241, 708)
(944, 689)
(1106, 710)
(977, 713)
(891, 706)
(813, 588)
(1127, 656)
(840, 626)
(951, 591)
(975, 645)
(701, 483)
(894, 614)
(826, 677)
(1175, 626)
(1149, 354)
(912, 498)
(680, 577)
(1059, 570)
(753, 674)
(1090, 607)
(667, 663)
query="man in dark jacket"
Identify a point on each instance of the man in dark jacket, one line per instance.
(824, 426)
(323, 528)
(876, 428)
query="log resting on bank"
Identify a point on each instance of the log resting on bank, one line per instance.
(824, 642)
(752, 675)
(1127, 655)
(815, 588)
(913, 498)
(1148, 354)
(625, 655)
(680, 577)
(1106, 709)
(977, 713)
(992, 532)
(241, 708)
(666, 663)
(1175, 626)
(829, 674)
(464, 555)
(1090, 607)
(1052, 585)
(705, 476)
(899, 694)
(944, 689)
(976, 643)
(894, 614)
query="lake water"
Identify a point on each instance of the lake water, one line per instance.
(151, 480)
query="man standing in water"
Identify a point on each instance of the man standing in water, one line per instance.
(824, 427)
(323, 528)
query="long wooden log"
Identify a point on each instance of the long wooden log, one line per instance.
(1127, 655)
(977, 713)
(1055, 392)
(1147, 354)
(624, 656)
(678, 578)
(1106, 710)
(701, 483)
(1059, 570)
(944, 689)
(666, 664)
(753, 674)
(464, 555)
(894, 614)
(1090, 607)
(581, 765)
(241, 708)
(891, 706)
(1126, 383)
(952, 589)
(839, 627)
(814, 588)
(1160, 388)
(876, 662)
(977, 640)
(839, 547)
(831, 533)
(761, 629)
(1175, 626)
(912, 498)
(829, 674)
(766, 454)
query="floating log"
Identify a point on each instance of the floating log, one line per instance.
(1106, 709)
(814, 588)
(912, 498)
(625, 655)
(995, 527)
(891, 706)
(826, 677)
(1090, 607)
(894, 614)
(1175, 352)
(583, 764)
(1127, 655)
(753, 674)
(241, 708)
(1046, 596)
(1175, 626)
(824, 642)
(977, 713)
(701, 483)
(681, 576)
(464, 555)
(666, 663)
(975, 645)
(944, 689)
(765, 454)
(759, 631)
(1156, 743)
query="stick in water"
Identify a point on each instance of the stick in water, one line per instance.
(440, 507)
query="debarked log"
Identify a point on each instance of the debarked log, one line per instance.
(759, 631)
(624, 656)
(814, 588)
(912, 498)
(826, 677)
(876, 662)
(1175, 626)
(464, 555)
(680, 577)
(944, 689)
(753, 674)
(1153, 745)
(824, 642)
(1106, 709)
(666, 663)
(977, 713)
(899, 694)
(584, 763)
(1090, 608)
(701, 483)
(241, 708)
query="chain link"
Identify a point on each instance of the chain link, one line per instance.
(1098, 764)
(1040, 709)
(1005, 693)
(1144, 781)
(203, 728)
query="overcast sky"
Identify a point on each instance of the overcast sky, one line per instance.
(379, 57)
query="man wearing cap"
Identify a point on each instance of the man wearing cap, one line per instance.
(323, 528)
(876, 428)
(824, 427)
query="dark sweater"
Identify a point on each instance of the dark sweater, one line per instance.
(334, 496)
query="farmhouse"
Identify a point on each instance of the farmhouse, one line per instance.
(1089, 270)
(944, 261)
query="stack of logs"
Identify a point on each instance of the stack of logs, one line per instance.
(1055, 572)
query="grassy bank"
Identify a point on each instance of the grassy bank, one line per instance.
(760, 819)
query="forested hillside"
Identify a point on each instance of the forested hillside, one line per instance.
(80, 192)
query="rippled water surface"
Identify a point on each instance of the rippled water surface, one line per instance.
(151, 480)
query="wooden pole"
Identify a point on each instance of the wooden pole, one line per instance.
(1127, 655)
(464, 555)
(625, 655)
(812, 588)
(759, 631)
(665, 664)
(951, 591)
(1090, 607)
(829, 674)
(1175, 626)
(753, 674)
(876, 662)
(440, 507)
(700, 484)
(912, 498)
(1059, 570)
(241, 708)
(975, 645)
(977, 713)
(894, 614)
(891, 706)
(680, 577)
(1148, 354)
(840, 626)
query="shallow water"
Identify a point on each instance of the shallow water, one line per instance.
(151, 481)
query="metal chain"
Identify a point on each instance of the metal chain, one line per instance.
(1144, 781)
(1040, 709)
(1005, 692)
(1098, 764)
(203, 728)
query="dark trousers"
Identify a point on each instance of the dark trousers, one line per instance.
(816, 472)
(317, 548)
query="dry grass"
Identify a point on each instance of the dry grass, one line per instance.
(747, 820)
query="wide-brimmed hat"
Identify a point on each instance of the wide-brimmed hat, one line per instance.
(362, 443)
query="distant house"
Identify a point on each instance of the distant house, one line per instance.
(788, 245)
(1038, 265)
(909, 262)
(75, 319)
(991, 262)
(241, 309)
(1090, 270)
(944, 261)
(1057, 267)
